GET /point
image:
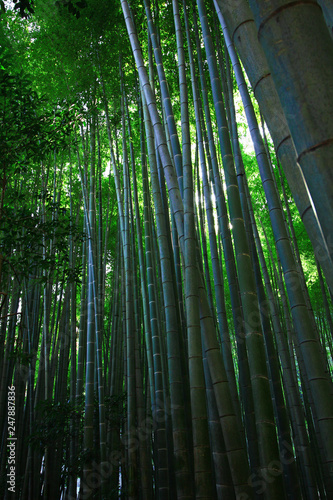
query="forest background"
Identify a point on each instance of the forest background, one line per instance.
(165, 285)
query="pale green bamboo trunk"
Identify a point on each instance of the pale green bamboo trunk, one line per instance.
(243, 32)
(226, 413)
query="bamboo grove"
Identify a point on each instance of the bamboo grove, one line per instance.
(165, 292)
